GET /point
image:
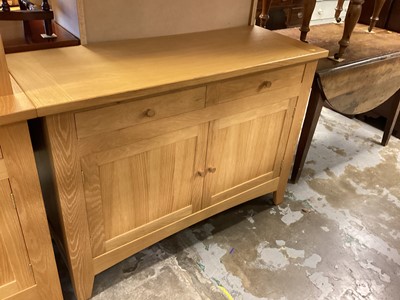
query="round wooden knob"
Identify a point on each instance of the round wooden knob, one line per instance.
(266, 84)
(212, 169)
(150, 113)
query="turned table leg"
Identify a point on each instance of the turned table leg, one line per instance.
(391, 120)
(264, 16)
(338, 10)
(309, 6)
(375, 15)
(352, 16)
(310, 123)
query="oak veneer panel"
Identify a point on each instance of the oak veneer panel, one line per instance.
(236, 141)
(3, 170)
(68, 178)
(24, 182)
(107, 140)
(162, 180)
(148, 228)
(17, 274)
(15, 107)
(105, 261)
(135, 112)
(84, 76)
(289, 146)
(260, 83)
(5, 83)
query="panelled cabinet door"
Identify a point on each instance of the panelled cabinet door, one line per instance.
(135, 189)
(245, 151)
(15, 271)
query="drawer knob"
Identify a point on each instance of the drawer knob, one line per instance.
(212, 169)
(201, 173)
(266, 84)
(150, 113)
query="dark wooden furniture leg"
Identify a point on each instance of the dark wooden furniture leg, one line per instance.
(352, 16)
(309, 6)
(391, 121)
(5, 6)
(310, 123)
(338, 10)
(375, 15)
(264, 16)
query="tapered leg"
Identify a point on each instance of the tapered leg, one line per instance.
(309, 6)
(310, 123)
(391, 121)
(352, 16)
(338, 10)
(264, 16)
(375, 15)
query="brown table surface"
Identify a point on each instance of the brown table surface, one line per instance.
(64, 39)
(378, 45)
(368, 76)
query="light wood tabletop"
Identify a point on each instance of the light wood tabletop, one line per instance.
(65, 79)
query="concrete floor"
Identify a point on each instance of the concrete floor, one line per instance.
(336, 236)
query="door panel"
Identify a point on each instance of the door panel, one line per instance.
(132, 190)
(245, 150)
(16, 273)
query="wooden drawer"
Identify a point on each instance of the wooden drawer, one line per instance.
(295, 16)
(251, 85)
(127, 114)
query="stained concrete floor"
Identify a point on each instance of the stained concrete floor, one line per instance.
(336, 236)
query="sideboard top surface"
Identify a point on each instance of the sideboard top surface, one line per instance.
(16, 107)
(64, 79)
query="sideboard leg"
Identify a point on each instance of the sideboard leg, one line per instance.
(63, 147)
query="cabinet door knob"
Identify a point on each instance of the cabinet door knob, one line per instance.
(150, 113)
(201, 173)
(212, 169)
(266, 84)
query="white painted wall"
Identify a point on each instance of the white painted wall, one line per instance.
(103, 20)
(10, 30)
(66, 14)
(121, 19)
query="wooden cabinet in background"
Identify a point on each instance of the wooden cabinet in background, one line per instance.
(283, 14)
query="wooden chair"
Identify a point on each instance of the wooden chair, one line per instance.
(352, 17)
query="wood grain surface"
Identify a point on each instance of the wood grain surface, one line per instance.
(68, 178)
(14, 105)
(84, 76)
(40, 271)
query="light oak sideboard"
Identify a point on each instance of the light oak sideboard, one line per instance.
(27, 265)
(147, 137)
